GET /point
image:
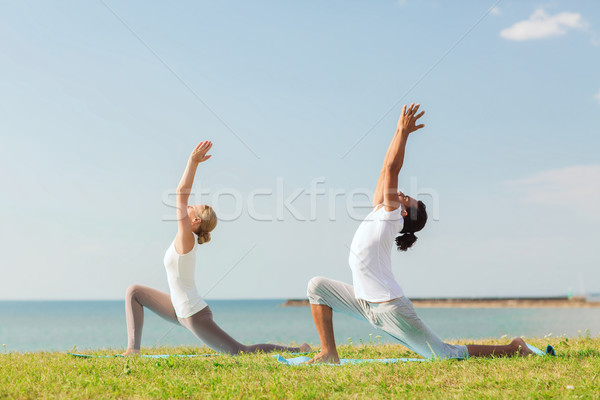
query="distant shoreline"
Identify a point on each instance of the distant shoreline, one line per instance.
(508, 302)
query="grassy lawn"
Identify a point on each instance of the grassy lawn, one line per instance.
(572, 374)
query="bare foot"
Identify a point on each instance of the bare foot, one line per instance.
(131, 352)
(325, 358)
(520, 347)
(305, 348)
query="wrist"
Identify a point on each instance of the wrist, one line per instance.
(402, 134)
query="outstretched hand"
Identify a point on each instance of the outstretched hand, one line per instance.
(199, 153)
(408, 120)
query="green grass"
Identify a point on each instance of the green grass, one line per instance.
(572, 374)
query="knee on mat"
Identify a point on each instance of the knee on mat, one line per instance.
(314, 285)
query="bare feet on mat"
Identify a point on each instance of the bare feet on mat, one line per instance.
(305, 348)
(131, 352)
(325, 358)
(520, 346)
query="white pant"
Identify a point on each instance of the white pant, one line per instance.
(397, 318)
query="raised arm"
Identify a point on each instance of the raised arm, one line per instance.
(185, 237)
(378, 196)
(395, 156)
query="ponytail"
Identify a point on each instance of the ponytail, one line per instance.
(405, 241)
(203, 237)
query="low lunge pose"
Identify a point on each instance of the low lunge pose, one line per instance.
(184, 306)
(376, 296)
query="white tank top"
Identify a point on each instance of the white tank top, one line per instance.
(371, 256)
(180, 274)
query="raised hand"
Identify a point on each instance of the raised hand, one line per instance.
(408, 120)
(199, 153)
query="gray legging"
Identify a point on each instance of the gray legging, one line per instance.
(200, 324)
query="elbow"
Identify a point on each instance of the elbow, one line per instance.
(183, 191)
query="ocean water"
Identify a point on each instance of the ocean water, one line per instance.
(27, 326)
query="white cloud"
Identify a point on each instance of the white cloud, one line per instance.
(541, 25)
(576, 187)
(495, 11)
(597, 95)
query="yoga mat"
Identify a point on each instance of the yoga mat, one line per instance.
(549, 350)
(347, 361)
(143, 355)
(151, 355)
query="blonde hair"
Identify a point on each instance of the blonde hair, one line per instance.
(208, 223)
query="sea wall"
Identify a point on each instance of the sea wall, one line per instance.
(515, 302)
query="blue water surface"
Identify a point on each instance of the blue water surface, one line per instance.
(65, 325)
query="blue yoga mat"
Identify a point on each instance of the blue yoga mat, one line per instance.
(302, 359)
(549, 350)
(346, 361)
(144, 355)
(150, 355)
(349, 361)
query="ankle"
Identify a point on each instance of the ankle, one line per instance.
(328, 351)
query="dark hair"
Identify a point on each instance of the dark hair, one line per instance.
(413, 222)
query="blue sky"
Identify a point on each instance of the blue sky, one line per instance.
(103, 101)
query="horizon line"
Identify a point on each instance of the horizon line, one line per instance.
(586, 295)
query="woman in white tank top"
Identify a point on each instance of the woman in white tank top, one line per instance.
(184, 305)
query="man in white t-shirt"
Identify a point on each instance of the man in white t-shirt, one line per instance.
(375, 296)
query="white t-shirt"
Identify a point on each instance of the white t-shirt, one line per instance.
(371, 256)
(182, 285)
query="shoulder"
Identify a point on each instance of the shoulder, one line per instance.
(184, 243)
(381, 214)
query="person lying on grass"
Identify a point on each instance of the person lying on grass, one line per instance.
(376, 296)
(184, 306)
